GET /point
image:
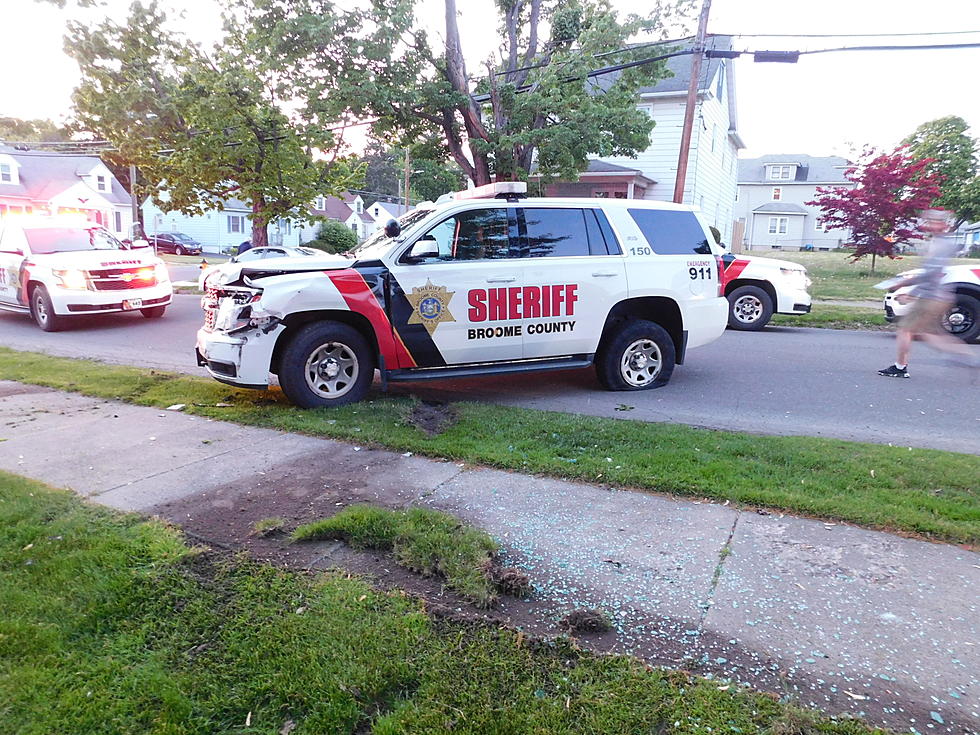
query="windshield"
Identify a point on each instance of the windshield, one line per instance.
(47, 240)
(375, 245)
(182, 237)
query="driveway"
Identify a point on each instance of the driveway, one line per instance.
(783, 381)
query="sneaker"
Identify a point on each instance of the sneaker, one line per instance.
(894, 371)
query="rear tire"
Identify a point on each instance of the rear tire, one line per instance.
(639, 356)
(963, 320)
(326, 364)
(749, 308)
(43, 311)
(154, 312)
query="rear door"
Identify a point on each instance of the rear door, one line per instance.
(461, 306)
(572, 278)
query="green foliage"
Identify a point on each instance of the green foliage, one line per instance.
(35, 131)
(333, 237)
(389, 70)
(429, 542)
(109, 623)
(953, 156)
(921, 491)
(204, 126)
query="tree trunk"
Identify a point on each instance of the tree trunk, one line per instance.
(873, 262)
(469, 110)
(260, 225)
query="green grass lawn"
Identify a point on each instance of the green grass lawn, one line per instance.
(836, 277)
(192, 259)
(110, 624)
(833, 316)
(927, 492)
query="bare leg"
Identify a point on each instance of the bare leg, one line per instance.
(946, 343)
(904, 345)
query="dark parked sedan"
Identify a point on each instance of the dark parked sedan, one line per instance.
(175, 242)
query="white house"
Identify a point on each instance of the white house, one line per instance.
(39, 182)
(219, 229)
(381, 212)
(348, 210)
(773, 192)
(715, 141)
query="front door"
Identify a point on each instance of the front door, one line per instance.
(13, 247)
(459, 307)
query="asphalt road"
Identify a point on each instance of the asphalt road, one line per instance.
(811, 382)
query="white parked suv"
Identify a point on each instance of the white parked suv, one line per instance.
(757, 288)
(55, 269)
(487, 282)
(962, 319)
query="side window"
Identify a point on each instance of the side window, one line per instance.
(477, 234)
(556, 232)
(671, 232)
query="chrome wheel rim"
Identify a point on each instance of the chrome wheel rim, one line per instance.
(40, 310)
(331, 370)
(641, 363)
(958, 320)
(747, 308)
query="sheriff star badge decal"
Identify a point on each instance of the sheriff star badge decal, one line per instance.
(430, 306)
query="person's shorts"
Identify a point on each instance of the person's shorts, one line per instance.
(925, 315)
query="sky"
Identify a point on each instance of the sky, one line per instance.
(827, 104)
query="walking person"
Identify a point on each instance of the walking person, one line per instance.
(930, 298)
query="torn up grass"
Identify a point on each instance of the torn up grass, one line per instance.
(109, 623)
(926, 492)
(428, 542)
(830, 316)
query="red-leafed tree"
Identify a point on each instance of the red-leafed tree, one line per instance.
(882, 209)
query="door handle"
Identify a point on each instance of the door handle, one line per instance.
(501, 279)
(604, 274)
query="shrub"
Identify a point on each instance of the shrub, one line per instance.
(333, 237)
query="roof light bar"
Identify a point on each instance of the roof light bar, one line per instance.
(497, 189)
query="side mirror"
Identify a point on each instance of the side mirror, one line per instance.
(427, 247)
(392, 228)
(14, 251)
(140, 244)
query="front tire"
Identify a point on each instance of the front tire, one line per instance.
(154, 312)
(178, 250)
(749, 308)
(963, 319)
(639, 356)
(43, 311)
(326, 364)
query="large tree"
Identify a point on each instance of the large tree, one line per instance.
(15, 130)
(534, 101)
(952, 154)
(204, 126)
(882, 209)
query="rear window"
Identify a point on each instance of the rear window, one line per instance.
(556, 232)
(47, 240)
(671, 232)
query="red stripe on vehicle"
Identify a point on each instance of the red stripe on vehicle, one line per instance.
(361, 300)
(733, 270)
(976, 272)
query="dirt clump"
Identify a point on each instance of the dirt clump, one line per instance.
(509, 580)
(432, 417)
(586, 621)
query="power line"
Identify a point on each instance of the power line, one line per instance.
(843, 35)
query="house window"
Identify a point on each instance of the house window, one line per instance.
(236, 223)
(320, 203)
(285, 227)
(714, 137)
(101, 183)
(599, 194)
(777, 225)
(354, 227)
(359, 206)
(780, 172)
(117, 221)
(719, 90)
(819, 225)
(777, 193)
(6, 174)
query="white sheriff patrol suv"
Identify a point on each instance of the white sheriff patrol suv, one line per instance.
(963, 317)
(55, 268)
(488, 282)
(757, 288)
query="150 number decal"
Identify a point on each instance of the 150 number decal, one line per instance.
(702, 272)
(641, 251)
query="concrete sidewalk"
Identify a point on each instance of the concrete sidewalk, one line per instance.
(845, 619)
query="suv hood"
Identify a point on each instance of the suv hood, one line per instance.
(97, 259)
(231, 272)
(770, 262)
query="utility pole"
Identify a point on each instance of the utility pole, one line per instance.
(135, 204)
(692, 98)
(408, 175)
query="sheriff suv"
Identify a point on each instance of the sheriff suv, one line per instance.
(757, 288)
(962, 319)
(55, 269)
(486, 282)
